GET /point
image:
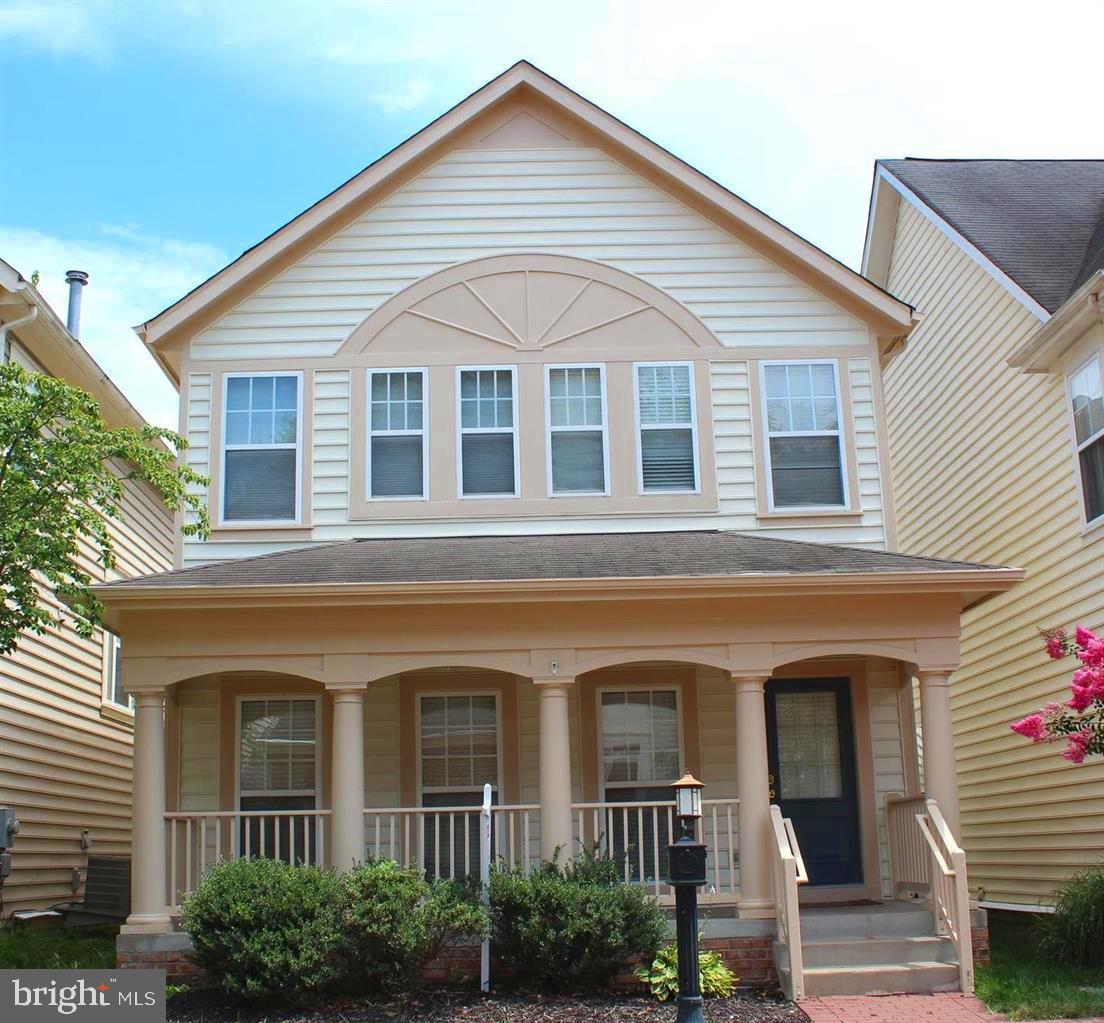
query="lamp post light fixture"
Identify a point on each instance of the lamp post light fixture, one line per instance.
(686, 874)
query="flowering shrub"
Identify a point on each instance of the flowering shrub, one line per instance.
(1080, 720)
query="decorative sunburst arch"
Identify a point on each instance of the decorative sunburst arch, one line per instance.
(530, 302)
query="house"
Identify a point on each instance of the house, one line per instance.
(1002, 378)
(66, 720)
(540, 460)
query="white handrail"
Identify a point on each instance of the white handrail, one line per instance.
(789, 872)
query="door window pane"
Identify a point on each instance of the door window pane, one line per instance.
(808, 745)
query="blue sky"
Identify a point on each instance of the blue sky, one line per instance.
(150, 143)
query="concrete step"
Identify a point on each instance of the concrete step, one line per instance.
(877, 951)
(901, 978)
(892, 920)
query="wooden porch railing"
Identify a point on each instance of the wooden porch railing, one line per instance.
(925, 857)
(640, 832)
(196, 841)
(445, 840)
(788, 869)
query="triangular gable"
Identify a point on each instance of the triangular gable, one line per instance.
(165, 332)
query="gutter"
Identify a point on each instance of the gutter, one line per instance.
(11, 325)
(1076, 315)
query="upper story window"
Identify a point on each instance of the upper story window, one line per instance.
(667, 427)
(1086, 390)
(114, 692)
(488, 432)
(397, 438)
(804, 449)
(577, 459)
(262, 435)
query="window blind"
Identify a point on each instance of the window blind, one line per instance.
(488, 460)
(806, 471)
(260, 484)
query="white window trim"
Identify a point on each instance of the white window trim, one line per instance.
(768, 479)
(298, 446)
(370, 433)
(461, 430)
(435, 789)
(549, 430)
(604, 787)
(639, 427)
(112, 645)
(318, 751)
(1086, 523)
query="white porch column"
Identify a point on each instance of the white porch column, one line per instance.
(347, 803)
(940, 778)
(555, 767)
(753, 790)
(148, 911)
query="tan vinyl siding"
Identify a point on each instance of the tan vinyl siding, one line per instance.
(983, 470)
(65, 763)
(571, 201)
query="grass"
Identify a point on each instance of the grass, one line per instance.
(63, 948)
(1025, 987)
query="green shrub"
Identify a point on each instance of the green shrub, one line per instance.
(1074, 932)
(570, 928)
(263, 929)
(394, 921)
(715, 979)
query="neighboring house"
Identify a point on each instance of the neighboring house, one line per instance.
(996, 425)
(66, 720)
(540, 460)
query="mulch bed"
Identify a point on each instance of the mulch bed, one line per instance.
(451, 1007)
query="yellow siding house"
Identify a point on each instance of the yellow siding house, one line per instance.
(996, 425)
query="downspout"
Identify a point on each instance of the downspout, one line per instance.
(5, 348)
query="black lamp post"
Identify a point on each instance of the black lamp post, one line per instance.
(686, 874)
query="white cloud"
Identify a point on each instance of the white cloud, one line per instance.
(132, 276)
(66, 29)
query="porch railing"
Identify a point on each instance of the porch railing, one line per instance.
(196, 841)
(444, 841)
(788, 869)
(639, 834)
(926, 857)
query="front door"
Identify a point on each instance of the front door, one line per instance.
(811, 750)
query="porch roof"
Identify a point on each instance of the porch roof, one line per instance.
(547, 557)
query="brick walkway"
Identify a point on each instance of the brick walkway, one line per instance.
(941, 1008)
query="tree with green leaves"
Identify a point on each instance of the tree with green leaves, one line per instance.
(62, 479)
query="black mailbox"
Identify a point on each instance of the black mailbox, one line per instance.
(686, 863)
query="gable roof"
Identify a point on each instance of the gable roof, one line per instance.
(1039, 222)
(582, 556)
(323, 218)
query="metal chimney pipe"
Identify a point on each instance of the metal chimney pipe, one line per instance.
(76, 279)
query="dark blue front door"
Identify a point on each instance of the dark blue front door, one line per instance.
(811, 748)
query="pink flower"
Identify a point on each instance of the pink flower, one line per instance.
(1031, 727)
(1082, 636)
(1082, 698)
(1055, 642)
(1052, 710)
(1092, 652)
(1078, 744)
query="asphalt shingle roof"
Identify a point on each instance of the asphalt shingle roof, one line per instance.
(559, 556)
(1040, 221)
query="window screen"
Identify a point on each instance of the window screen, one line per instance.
(666, 406)
(396, 434)
(803, 435)
(577, 420)
(260, 438)
(487, 438)
(1086, 388)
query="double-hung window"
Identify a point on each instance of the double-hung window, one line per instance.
(1086, 391)
(577, 461)
(397, 448)
(804, 440)
(262, 434)
(667, 436)
(114, 693)
(488, 432)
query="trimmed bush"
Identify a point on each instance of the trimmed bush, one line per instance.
(264, 930)
(571, 928)
(394, 922)
(1074, 932)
